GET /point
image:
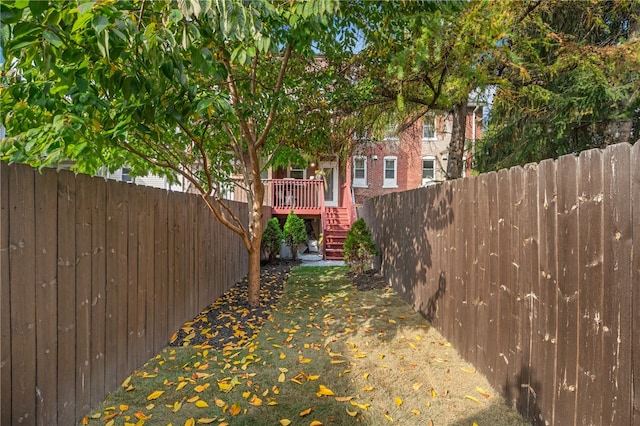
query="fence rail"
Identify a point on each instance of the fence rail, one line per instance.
(95, 276)
(532, 275)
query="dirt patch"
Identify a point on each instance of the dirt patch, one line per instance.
(368, 280)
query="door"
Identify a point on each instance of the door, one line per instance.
(330, 172)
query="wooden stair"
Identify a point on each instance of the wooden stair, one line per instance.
(337, 224)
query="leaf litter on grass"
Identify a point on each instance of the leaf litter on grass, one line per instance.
(323, 354)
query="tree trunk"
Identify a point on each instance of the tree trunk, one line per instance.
(255, 236)
(458, 138)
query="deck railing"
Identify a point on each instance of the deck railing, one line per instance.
(283, 195)
(299, 195)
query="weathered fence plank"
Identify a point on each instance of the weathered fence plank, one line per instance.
(5, 299)
(98, 289)
(529, 276)
(22, 287)
(506, 327)
(546, 342)
(481, 271)
(635, 280)
(568, 258)
(616, 316)
(83, 214)
(517, 288)
(493, 303)
(132, 325)
(66, 298)
(591, 376)
(161, 273)
(147, 278)
(46, 293)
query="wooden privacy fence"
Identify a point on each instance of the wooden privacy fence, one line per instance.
(95, 277)
(532, 275)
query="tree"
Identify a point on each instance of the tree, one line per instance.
(295, 233)
(359, 248)
(190, 88)
(272, 238)
(422, 56)
(571, 82)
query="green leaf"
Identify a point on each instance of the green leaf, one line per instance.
(99, 23)
(38, 6)
(85, 7)
(52, 38)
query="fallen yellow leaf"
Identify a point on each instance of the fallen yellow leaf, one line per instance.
(206, 420)
(367, 388)
(472, 398)
(201, 404)
(388, 417)
(176, 406)
(255, 401)
(193, 399)
(482, 392)
(416, 412)
(155, 395)
(316, 423)
(181, 385)
(324, 391)
(190, 422)
(285, 422)
(235, 409)
(344, 398)
(305, 412)
(219, 403)
(201, 388)
(417, 386)
(433, 393)
(398, 401)
(282, 378)
(352, 413)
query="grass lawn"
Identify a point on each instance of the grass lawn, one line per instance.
(327, 354)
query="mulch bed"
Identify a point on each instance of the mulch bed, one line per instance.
(231, 321)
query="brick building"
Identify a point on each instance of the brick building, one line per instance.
(414, 158)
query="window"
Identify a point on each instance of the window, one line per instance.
(428, 169)
(126, 174)
(360, 171)
(297, 172)
(429, 128)
(390, 172)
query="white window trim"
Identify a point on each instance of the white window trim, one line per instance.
(360, 182)
(426, 181)
(435, 130)
(290, 169)
(390, 183)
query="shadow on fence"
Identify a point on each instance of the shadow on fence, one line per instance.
(531, 274)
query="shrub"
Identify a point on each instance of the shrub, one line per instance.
(295, 233)
(359, 248)
(272, 238)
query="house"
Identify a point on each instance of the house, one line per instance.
(325, 193)
(416, 157)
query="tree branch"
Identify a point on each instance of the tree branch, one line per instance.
(279, 82)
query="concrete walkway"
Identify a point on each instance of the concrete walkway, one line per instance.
(313, 259)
